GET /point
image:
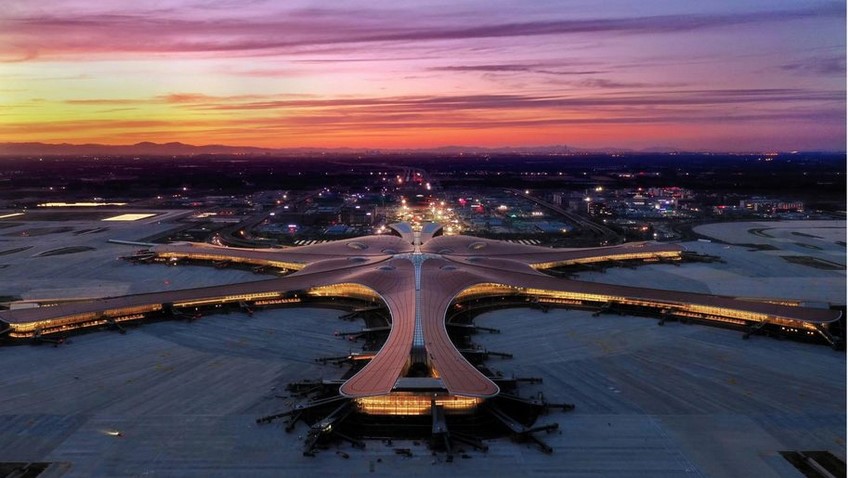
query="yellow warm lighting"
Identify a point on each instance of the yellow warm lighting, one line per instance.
(81, 204)
(129, 217)
(81, 320)
(612, 257)
(211, 254)
(345, 290)
(569, 298)
(229, 298)
(407, 403)
(789, 303)
(6, 216)
(292, 300)
(486, 289)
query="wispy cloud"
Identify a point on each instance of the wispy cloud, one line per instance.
(777, 96)
(312, 115)
(105, 101)
(606, 84)
(116, 110)
(541, 68)
(270, 71)
(114, 33)
(171, 98)
(835, 65)
(52, 127)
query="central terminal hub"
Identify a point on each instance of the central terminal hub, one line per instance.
(419, 364)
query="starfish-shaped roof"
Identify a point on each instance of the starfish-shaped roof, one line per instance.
(418, 281)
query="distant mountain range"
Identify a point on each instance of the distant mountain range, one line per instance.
(147, 148)
(181, 149)
(139, 149)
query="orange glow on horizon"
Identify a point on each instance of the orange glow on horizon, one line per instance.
(270, 74)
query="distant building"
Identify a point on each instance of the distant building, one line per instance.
(557, 199)
(359, 215)
(770, 206)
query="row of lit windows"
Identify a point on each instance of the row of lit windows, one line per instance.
(415, 404)
(141, 309)
(722, 311)
(97, 318)
(40, 324)
(228, 298)
(789, 303)
(794, 323)
(205, 256)
(344, 290)
(126, 318)
(94, 319)
(613, 257)
(81, 325)
(52, 330)
(578, 298)
(356, 290)
(487, 289)
(700, 309)
(561, 301)
(278, 301)
(711, 318)
(77, 321)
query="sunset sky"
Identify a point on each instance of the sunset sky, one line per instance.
(736, 75)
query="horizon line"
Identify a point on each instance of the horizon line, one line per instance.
(339, 149)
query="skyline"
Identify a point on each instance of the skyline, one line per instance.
(736, 76)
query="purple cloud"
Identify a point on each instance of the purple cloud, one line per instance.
(831, 66)
(105, 33)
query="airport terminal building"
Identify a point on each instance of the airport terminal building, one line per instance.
(417, 292)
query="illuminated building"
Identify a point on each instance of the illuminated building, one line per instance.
(420, 279)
